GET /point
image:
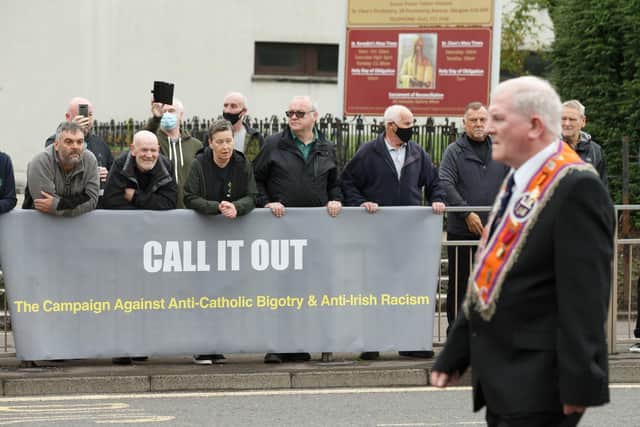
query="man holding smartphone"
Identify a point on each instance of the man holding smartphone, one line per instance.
(80, 111)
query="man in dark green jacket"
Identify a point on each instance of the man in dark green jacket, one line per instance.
(220, 182)
(221, 178)
(176, 143)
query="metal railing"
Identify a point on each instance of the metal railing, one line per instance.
(347, 133)
(622, 309)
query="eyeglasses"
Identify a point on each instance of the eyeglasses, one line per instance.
(298, 114)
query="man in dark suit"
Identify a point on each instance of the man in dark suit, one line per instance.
(533, 322)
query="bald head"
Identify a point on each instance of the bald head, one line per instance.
(145, 149)
(235, 98)
(234, 109)
(305, 107)
(144, 136)
(73, 110)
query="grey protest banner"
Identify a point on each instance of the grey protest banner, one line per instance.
(112, 283)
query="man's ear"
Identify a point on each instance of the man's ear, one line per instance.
(537, 127)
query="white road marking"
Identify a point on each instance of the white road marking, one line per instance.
(459, 423)
(98, 413)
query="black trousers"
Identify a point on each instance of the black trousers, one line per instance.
(538, 419)
(458, 274)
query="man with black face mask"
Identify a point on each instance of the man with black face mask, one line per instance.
(392, 170)
(246, 139)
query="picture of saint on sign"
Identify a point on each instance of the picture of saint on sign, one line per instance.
(417, 60)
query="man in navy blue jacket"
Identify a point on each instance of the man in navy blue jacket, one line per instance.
(392, 170)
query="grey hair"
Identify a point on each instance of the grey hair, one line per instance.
(219, 125)
(179, 105)
(393, 112)
(535, 96)
(475, 106)
(576, 105)
(71, 127)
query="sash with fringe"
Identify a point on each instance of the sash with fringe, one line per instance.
(496, 256)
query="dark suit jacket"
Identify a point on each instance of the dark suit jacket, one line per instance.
(545, 345)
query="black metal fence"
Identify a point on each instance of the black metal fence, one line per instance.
(347, 133)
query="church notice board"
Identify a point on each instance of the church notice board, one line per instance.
(431, 56)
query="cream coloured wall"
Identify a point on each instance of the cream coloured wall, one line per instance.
(110, 51)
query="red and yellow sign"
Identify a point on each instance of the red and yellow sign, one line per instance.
(432, 71)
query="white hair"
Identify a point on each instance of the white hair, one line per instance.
(179, 105)
(535, 96)
(392, 114)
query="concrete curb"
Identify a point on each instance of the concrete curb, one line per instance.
(76, 385)
(177, 375)
(255, 381)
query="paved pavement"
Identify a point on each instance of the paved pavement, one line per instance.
(239, 372)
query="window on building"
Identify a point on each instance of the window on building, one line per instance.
(296, 59)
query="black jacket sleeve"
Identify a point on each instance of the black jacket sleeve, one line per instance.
(261, 165)
(352, 181)
(164, 198)
(70, 202)
(113, 197)
(8, 198)
(334, 192)
(433, 190)
(448, 175)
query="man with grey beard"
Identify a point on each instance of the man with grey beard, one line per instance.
(63, 179)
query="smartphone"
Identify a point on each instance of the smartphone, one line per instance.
(83, 110)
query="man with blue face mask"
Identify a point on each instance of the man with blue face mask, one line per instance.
(175, 143)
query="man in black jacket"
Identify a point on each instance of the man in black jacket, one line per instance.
(297, 168)
(573, 121)
(471, 178)
(141, 178)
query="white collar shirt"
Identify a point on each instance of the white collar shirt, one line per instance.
(397, 155)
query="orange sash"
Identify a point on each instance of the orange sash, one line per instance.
(496, 256)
